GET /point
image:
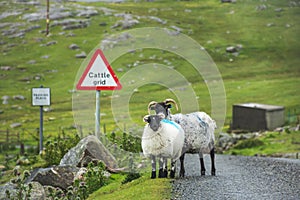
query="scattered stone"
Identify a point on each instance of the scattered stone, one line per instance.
(15, 125)
(72, 91)
(179, 30)
(32, 28)
(270, 24)
(110, 42)
(19, 97)
(81, 24)
(47, 109)
(1, 112)
(17, 35)
(25, 79)
(239, 46)
(261, 7)
(231, 49)
(87, 13)
(30, 17)
(278, 10)
(102, 24)
(51, 43)
(5, 97)
(51, 118)
(73, 46)
(31, 62)
(9, 13)
(228, 1)
(81, 55)
(16, 107)
(157, 19)
(6, 68)
(106, 11)
(127, 22)
(45, 57)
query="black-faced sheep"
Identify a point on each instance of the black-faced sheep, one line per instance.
(199, 132)
(164, 139)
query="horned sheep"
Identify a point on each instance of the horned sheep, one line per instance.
(199, 132)
(164, 139)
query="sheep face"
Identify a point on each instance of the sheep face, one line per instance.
(162, 107)
(154, 121)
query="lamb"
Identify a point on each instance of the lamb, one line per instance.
(164, 139)
(199, 132)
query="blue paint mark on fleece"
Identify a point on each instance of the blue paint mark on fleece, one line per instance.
(170, 122)
(203, 123)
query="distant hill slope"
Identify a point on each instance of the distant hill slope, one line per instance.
(254, 44)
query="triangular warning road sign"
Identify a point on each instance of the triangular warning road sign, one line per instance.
(98, 75)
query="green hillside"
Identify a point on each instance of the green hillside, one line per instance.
(266, 69)
(264, 66)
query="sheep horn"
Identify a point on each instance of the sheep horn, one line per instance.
(152, 103)
(171, 101)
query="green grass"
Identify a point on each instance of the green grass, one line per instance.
(269, 144)
(265, 71)
(143, 188)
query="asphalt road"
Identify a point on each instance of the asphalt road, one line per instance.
(239, 177)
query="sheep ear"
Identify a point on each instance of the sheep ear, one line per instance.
(146, 118)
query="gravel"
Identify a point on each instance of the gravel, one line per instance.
(239, 177)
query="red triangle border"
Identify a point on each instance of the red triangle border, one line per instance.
(80, 87)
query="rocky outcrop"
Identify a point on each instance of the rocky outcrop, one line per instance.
(72, 167)
(88, 148)
(57, 176)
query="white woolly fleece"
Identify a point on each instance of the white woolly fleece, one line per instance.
(167, 141)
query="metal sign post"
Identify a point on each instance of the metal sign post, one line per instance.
(41, 97)
(97, 114)
(41, 129)
(98, 76)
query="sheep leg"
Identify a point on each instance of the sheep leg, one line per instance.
(165, 166)
(202, 164)
(212, 158)
(182, 170)
(161, 168)
(173, 168)
(153, 163)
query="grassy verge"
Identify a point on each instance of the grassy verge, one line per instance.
(269, 144)
(143, 188)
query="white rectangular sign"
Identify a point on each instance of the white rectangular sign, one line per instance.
(41, 96)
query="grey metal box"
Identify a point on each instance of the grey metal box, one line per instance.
(255, 117)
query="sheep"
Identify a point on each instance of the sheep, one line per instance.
(164, 139)
(199, 132)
